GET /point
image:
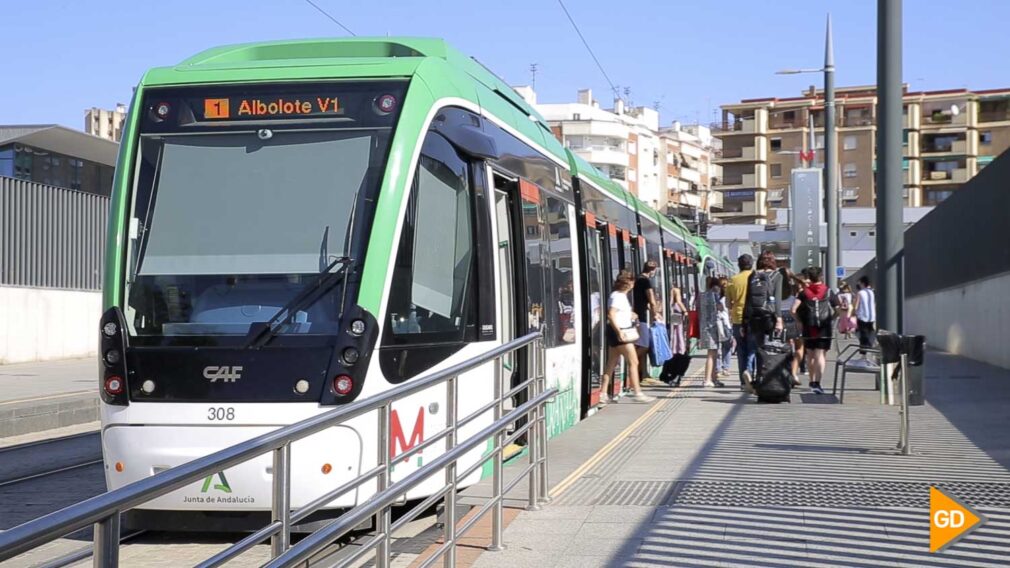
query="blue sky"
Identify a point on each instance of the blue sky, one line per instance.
(63, 56)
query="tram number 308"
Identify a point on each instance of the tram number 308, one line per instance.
(220, 413)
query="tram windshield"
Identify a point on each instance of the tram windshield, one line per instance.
(229, 225)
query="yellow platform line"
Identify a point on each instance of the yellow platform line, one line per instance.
(603, 452)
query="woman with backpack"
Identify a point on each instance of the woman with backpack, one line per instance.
(816, 311)
(791, 288)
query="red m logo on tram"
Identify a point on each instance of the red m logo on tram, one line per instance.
(396, 436)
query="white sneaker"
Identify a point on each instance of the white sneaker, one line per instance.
(643, 398)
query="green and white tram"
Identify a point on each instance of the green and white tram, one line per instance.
(299, 224)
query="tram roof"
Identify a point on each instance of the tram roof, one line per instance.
(337, 58)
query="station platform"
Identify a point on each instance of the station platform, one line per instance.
(36, 397)
(709, 477)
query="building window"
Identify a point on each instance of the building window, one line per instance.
(819, 141)
(985, 137)
(776, 170)
(871, 233)
(576, 116)
(850, 170)
(789, 115)
(853, 234)
(776, 144)
(849, 143)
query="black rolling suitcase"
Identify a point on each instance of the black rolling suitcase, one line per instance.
(675, 368)
(774, 381)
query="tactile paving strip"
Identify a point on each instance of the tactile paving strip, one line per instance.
(807, 494)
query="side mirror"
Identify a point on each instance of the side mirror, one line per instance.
(464, 130)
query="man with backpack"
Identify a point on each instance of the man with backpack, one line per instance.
(736, 295)
(816, 311)
(761, 315)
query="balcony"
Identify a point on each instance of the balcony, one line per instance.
(940, 145)
(857, 121)
(850, 194)
(943, 118)
(776, 195)
(744, 154)
(754, 124)
(957, 175)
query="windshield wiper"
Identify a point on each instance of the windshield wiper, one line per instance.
(308, 296)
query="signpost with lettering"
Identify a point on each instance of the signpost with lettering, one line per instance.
(806, 201)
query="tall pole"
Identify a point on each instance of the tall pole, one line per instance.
(830, 159)
(890, 228)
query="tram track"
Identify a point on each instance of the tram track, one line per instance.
(43, 458)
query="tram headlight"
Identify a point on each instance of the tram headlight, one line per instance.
(343, 385)
(110, 329)
(148, 386)
(113, 356)
(162, 110)
(114, 385)
(350, 355)
(358, 327)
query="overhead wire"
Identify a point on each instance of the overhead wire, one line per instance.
(613, 87)
(332, 19)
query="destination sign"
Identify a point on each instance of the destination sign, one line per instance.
(258, 107)
(333, 104)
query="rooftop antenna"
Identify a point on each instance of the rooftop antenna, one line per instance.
(533, 73)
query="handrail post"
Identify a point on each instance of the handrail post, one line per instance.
(497, 515)
(106, 546)
(906, 443)
(383, 518)
(543, 498)
(449, 530)
(532, 420)
(281, 500)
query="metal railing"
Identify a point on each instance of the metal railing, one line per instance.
(104, 510)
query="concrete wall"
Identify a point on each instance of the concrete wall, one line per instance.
(972, 319)
(39, 324)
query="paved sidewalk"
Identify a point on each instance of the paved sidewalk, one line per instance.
(40, 396)
(714, 479)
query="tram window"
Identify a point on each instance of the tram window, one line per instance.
(562, 280)
(431, 295)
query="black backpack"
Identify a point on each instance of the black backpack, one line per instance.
(817, 312)
(761, 296)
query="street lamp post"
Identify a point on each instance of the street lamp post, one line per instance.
(830, 155)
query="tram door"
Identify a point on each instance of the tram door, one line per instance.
(598, 273)
(506, 279)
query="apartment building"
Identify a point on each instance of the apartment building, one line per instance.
(671, 169)
(104, 123)
(690, 153)
(949, 136)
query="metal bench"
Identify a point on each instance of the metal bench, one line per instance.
(845, 365)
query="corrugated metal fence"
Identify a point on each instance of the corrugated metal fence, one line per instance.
(51, 237)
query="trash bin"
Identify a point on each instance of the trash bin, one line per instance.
(915, 348)
(890, 347)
